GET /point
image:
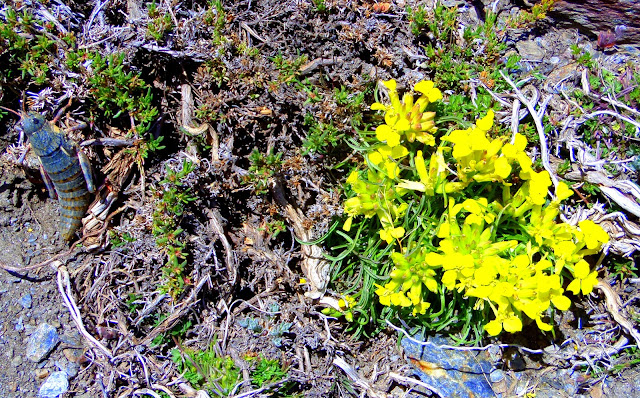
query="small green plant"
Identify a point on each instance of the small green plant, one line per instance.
(623, 268)
(216, 17)
(207, 370)
(144, 148)
(247, 50)
(215, 71)
(278, 332)
(627, 358)
(133, 303)
(159, 24)
(262, 168)
(417, 19)
(320, 5)
(171, 201)
(117, 90)
(321, 138)
(28, 46)
(454, 62)
(288, 68)
(591, 189)
(267, 371)
(274, 228)
(564, 167)
(582, 57)
(352, 103)
(252, 324)
(526, 19)
(118, 239)
(178, 331)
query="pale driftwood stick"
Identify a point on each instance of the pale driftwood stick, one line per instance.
(537, 119)
(64, 286)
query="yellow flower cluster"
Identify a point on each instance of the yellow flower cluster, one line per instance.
(406, 118)
(507, 254)
(413, 271)
(375, 196)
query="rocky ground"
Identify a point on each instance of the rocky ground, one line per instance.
(199, 251)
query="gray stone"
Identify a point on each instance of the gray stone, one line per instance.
(19, 325)
(55, 385)
(70, 368)
(41, 342)
(72, 338)
(619, 17)
(26, 301)
(530, 50)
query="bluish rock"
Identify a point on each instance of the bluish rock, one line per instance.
(452, 373)
(26, 301)
(55, 385)
(68, 367)
(496, 376)
(19, 327)
(41, 342)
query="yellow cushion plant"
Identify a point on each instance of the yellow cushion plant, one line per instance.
(467, 216)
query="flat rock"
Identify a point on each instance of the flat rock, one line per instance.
(26, 301)
(530, 50)
(55, 385)
(453, 373)
(594, 16)
(41, 342)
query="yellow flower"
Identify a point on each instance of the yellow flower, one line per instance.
(515, 152)
(433, 180)
(594, 235)
(390, 233)
(347, 224)
(584, 280)
(539, 184)
(427, 88)
(563, 191)
(413, 270)
(391, 133)
(477, 156)
(486, 122)
(509, 321)
(406, 118)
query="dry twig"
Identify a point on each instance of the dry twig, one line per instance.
(537, 119)
(614, 306)
(64, 286)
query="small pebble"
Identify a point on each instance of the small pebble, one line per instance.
(42, 373)
(70, 368)
(496, 375)
(16, 361)
(26, 301)
(72, 354)
(19, 325)
(41, 342)
(13, 386)
(55, 385)
(71, 338)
